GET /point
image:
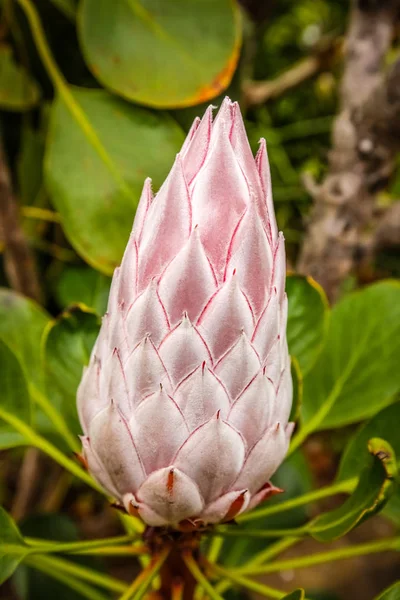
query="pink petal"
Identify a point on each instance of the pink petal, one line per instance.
(263, 459)
(134, 507)
(251, 256)
(279, 274)
(212, 456)
(266, 492)
(267, 328)
(190, 135)
(183, 350)
(143, 207)
(167, 226)
(197, 149)
(265, 176)
(158, 428)
(274, 364)
(145, 372)
(171, 494)
(238, 366)
(226, 508)
(219, 198)
(96, 469)
(111, 440)
(147, 316)
(128, 275)
(251, 412)
(113, 297)
(187, 282)
(200, 396)
(225, 317)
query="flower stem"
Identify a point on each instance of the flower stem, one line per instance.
(140, 585)
(83, 547)
(200, 577)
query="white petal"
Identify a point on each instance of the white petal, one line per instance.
(145, 372)
(112, 442)
(283, 404)
(183, 350)
(263, 459)
(147, 316)
(167, 226)
(88, 395)
(274, 364)
(251, 412)
(158, 428)
(267, 328)
(265, 176)
(238, 366)
(171, 494)
(188, 281)
(225, 317)
(226, 508)
(212, 456)
(96, 469)
(113, 385)
(251, 256)
(200, 396)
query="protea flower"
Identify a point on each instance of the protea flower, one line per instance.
(186, 400)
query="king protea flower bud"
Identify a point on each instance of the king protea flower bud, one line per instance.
(186, 400)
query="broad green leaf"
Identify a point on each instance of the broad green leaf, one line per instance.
(14, 395)
(85, 285)
(384, 425)
(66, 350)
(95, 165)
(165, 55)
(22, 323)
(295, 595)
(308, 318)
(18, 91)
(357, 372)
(372, 492)
(392, 593)
(297, 377)
(12, 546)
(30, 164)
(67, 7)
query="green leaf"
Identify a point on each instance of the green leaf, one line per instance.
(357, 372)
(18, 91)
(384, 425)
(372, 492)
(67, 345)
(31, 584)
(308, 319)
(295, 595)
(392, 593)
(159, 57)
(14, 395)
(85, 285)
(30, 164)
(297, 378)
(12, 546)
(95, 182)
(22, 323)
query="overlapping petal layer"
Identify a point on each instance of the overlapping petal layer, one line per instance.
(186, 400)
